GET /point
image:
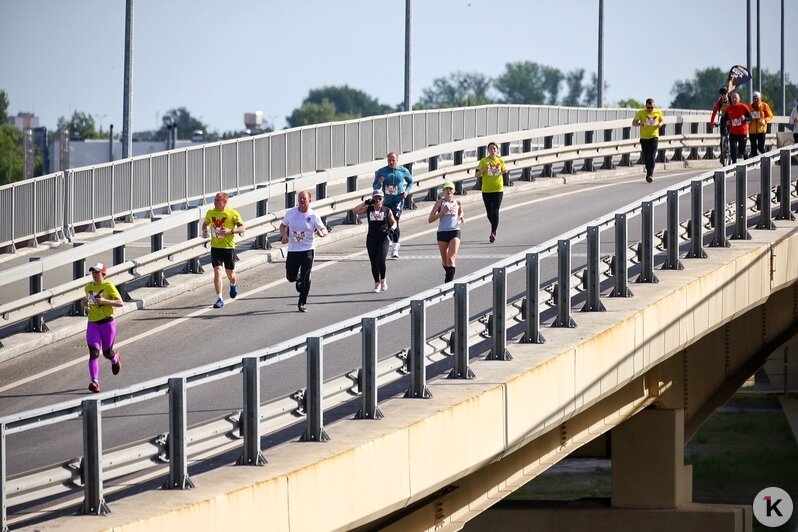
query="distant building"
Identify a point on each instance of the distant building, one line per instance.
(24, 121)
(98, 151)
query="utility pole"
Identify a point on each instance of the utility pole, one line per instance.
(127, 134)
(408, 9)
(600, 76)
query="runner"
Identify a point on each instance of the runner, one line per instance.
(396, 182)
(226, 223)
(299, 228)
(101, 298)
(492, 169)
(448, 212)
(381, 221)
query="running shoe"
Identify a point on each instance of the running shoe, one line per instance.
(377, 287)
(395, 252)
(116, 367)
(302, 308)
(384, 286)
(94, 387)
(219, 303)
(233, 291)
(492, 238)
(649, 179)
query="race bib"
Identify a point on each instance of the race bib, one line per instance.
(737, 121)
(391, 190)
(377, 216)
(755, 114)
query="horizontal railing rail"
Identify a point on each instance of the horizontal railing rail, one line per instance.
(243, 429)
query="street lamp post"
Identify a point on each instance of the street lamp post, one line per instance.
(408, 9)
(600, 75)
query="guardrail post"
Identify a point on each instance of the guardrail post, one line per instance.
(78, 272)
(677, 154)
(91, 465)
(36, 323)
(661, 152)
(784, 198)
(156, 244)
(321, 193)
(459, 340)
(505, 151)
(418, 343)
(368, 372)
(563, 288)
(626, 158)
(351, 186)
(178, 447)
(710, 151)
(458, 185)
(647, 247)
(620, 265)
(592, 273)
(607, 165)
(250, 414)
(290, 199)
(587, 166)
(672, 261)
(530, 310)
(696, 223)
(314, 429)
(498, 320)
(261, 209)
(119, 258)
(719, 213)
(741, 211)
(409, 203)
(432, 165)
(192, 232)
(765, 186)
(481, 152)
(548, 143)
(694, 150)
(568, 166)
(3, 484)
(526, 173)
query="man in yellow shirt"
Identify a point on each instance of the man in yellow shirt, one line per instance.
(224, 223)
(649, 120)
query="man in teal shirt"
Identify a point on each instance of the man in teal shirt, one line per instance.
(396, 183)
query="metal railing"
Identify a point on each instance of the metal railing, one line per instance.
(525, 309)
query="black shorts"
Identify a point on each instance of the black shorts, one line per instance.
(448, 236)
(223, 256)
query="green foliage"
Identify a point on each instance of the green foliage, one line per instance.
(527, 82)
(3, 107)
(460, 89)
(81, 126)
(574, 84)
(699, 92)
(316, 113)
(771, 90)
(348, 101)
(11, 154)
(631, 103)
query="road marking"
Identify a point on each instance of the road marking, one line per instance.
(244, 295)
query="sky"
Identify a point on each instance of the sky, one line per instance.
(220, 59)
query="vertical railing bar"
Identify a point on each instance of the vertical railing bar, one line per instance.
(416, 359)
(592, 273)
(250, 415)
(696, 222)
(719, 214)
(672, 261)
(563, 289)
(498, 322)
(647, 248)
(459, 340)
(531, 309)
(314, 429)
(91, 466)
(369, 409)
(765, 185)
(178, 445)
(741, 211)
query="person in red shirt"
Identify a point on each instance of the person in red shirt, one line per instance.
(736, 117)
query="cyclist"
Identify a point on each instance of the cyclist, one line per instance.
(717, 111)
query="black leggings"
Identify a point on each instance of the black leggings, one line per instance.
(649, 149)
(757, 143)
(493, 201)
(377, 246)
(737, 146)
(297, 269)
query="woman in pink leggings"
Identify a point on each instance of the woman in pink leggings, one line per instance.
(101, 298)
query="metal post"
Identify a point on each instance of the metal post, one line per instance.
(709, 153)
(416, 359)
(505, 151)
(458, 161)
(432, 165)
(587, 166)
(156, 244)
(369, 408)
(78, 272)
(679, 128)
(409, 203)
(765, 185)
(261, 209)
(526, 172)
(498, 322)
(626, 158)
(785, 181)
(592, 273)
(3, 480)
(35, 323)
(351, 186)
(250, 414)
(119, 257)
(531, 303)
(719, 213)
(459, 343)
(568, 166)
(290, 199)
(647, 248)
(314, 429)
(621, 259)
(696, 222)
(563, 288)
(408, 46)
(91, 466)
(741, 210)
(694, 150)
(661, 151)
(600, 75)
(481, 152)
(127, 131)
(672, 261)
(178, 446)
(607, 165)
(548, 143)
(192, 232)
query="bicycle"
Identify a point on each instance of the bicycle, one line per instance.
(725, 145)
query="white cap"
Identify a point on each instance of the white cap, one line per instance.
(756, 95)
(98, 267)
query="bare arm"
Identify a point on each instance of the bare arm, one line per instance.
(435, 213)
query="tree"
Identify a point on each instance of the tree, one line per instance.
(573, 80)
(529, 83)
(348, 101)
(699, 92)
(81, 126)
(590, 91)
(771, 90)
(315, 113)
(3, 107)
(630, 103)
(461, 89)
(11, 154)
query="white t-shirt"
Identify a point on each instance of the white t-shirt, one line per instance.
(301, 228)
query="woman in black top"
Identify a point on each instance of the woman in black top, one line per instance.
(381, 221)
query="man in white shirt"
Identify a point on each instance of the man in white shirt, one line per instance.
(299, 230)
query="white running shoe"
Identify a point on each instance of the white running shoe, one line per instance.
(384, 285)
(395, 250)
(377, 287)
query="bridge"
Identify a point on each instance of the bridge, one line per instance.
(654, 363)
